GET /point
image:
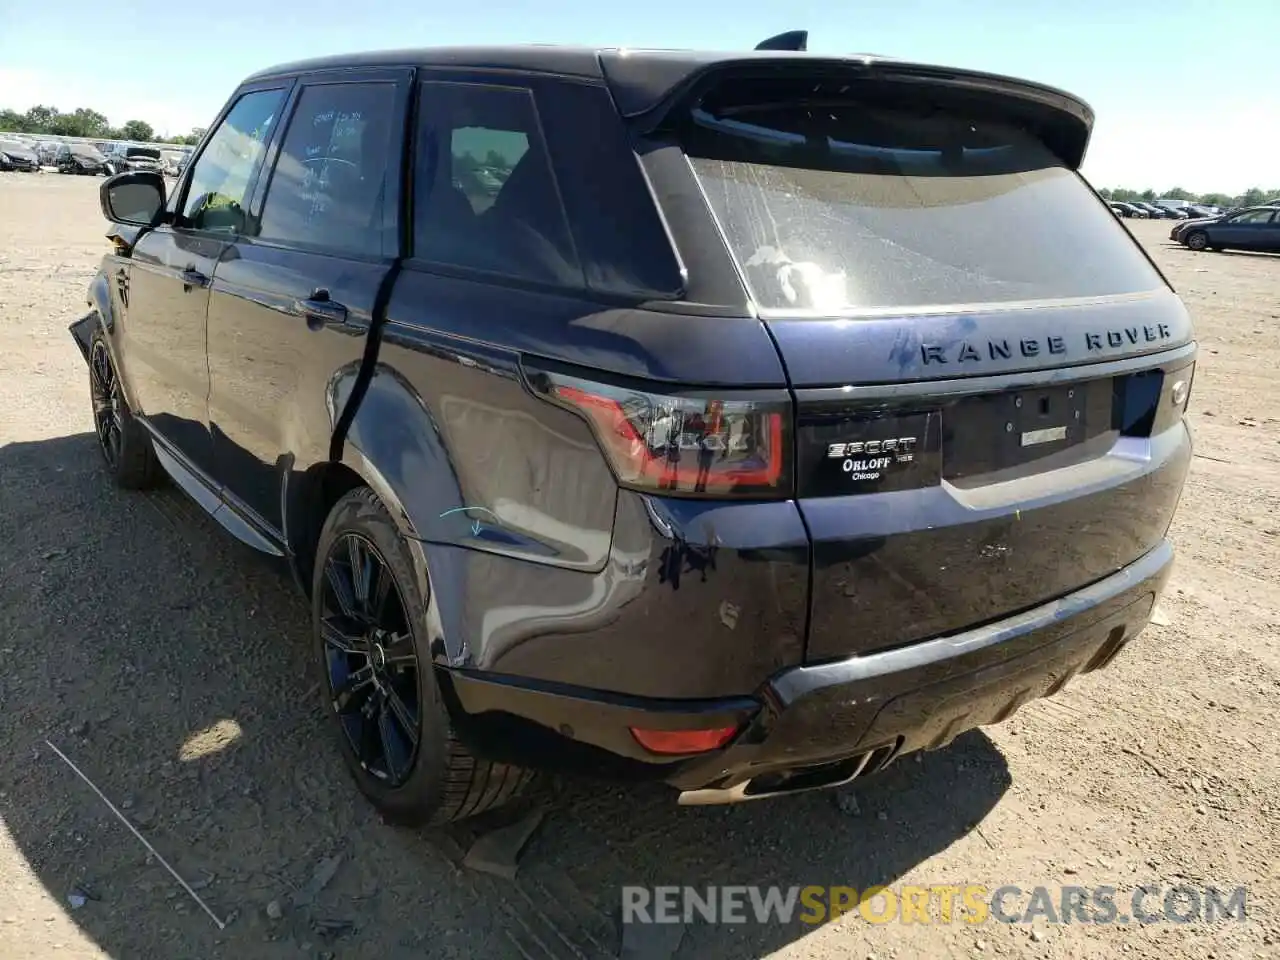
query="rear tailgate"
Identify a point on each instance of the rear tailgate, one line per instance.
(989, 374)
(953, 503)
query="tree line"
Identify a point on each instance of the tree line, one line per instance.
(84, 122)
(1252, 197)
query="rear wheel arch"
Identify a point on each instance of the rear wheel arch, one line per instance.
(309, 499)
(392, 445)
(312, 496)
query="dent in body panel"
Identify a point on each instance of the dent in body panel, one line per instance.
(698, 599)
(478, 460)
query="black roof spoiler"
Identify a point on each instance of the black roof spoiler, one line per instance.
(791, 40)
(647, 85)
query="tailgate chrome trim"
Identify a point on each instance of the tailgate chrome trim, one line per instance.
(961, 386)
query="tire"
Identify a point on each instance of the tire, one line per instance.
(123, 442)
(437, 780)
(1196, 240)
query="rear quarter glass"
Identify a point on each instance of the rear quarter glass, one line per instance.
(882, 208)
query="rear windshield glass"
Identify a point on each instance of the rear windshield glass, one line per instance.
(840, 206)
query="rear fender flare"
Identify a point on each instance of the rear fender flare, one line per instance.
(394, 446)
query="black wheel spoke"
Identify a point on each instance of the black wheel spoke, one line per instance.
(352, 694)
(335, 638)
(381, 590)
(103, 392)
(386, 736)
(407, 721)
(340, 584)
(371, 658)
(361, 563)
(399, 652)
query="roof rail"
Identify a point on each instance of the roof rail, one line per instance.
(791, 40)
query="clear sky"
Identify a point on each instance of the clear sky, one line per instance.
(1187, 93)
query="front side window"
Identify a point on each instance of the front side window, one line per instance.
(218, 190)
(1253, 217)
(330, 182)
(841, 205)
(486, 196)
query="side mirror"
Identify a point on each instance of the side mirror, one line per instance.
(134, 198)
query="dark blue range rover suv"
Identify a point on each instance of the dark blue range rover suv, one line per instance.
(737, 421)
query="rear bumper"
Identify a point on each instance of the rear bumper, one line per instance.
(821, 724)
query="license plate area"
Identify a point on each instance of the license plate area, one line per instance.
(991, 433)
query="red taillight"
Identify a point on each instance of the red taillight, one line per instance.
(683, 741)
(682, 444)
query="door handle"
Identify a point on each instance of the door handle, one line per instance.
(192, 277)
(320, 311)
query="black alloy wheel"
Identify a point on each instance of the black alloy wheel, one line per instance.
(108, 407)
(123, 440)
(370, 660)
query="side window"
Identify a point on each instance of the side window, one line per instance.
(220, 181)
(331, 178)
(486, 196)
(1253, 216)
(482, 160)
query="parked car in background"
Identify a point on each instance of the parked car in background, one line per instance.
(169, 160)
(125, 158)
(1129, 210)
(47, 151)
(80, 158)
(1256, 228)
(17, 155)
(1154, 212)
(1183, 225)
(565, 456)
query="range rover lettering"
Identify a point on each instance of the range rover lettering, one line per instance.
(610, 453)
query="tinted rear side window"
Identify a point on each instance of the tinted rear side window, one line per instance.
(330, 180)
(486, 197)
(849, 206)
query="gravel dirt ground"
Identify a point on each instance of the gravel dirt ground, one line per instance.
(173, 666)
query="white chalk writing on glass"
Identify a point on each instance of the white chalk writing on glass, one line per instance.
(344, 133)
